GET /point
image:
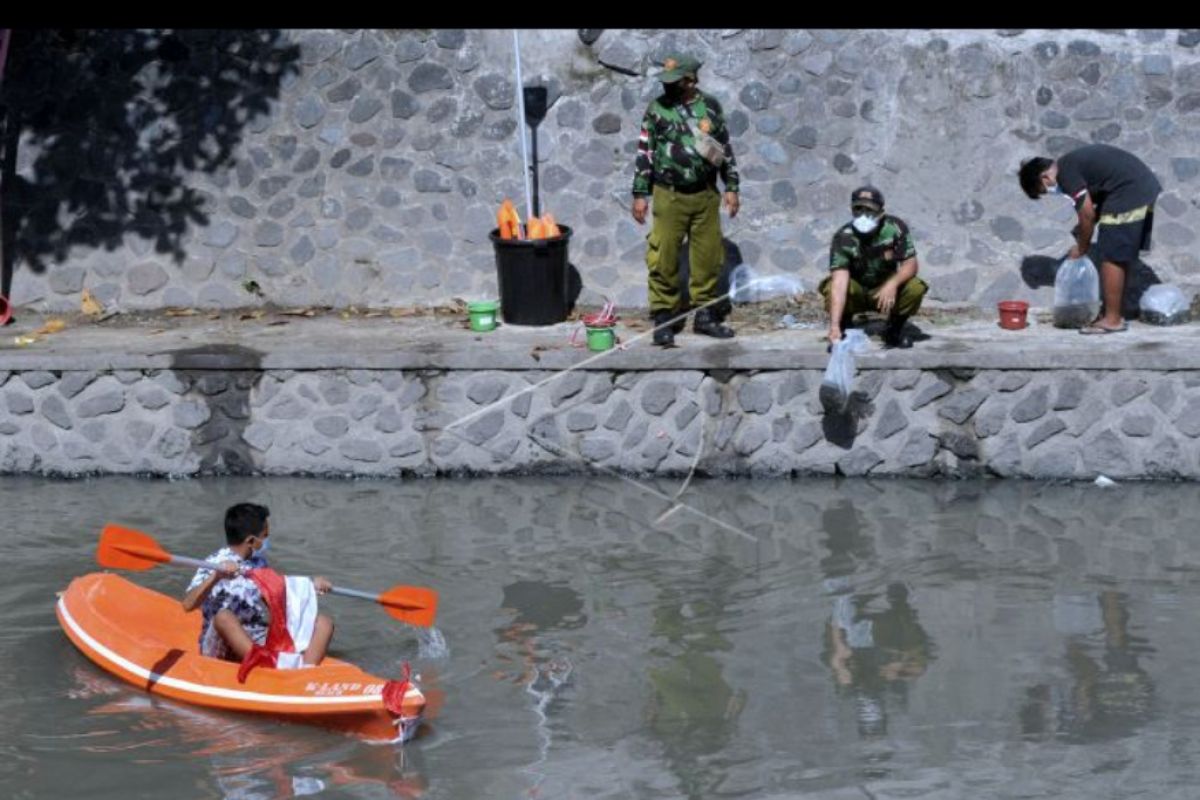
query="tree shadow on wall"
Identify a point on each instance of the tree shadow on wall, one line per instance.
(110, 124)
(222, 377)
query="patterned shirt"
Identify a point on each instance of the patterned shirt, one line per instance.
(873, 258)
(240, 595)
(666, 152)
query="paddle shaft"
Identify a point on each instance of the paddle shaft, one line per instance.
(190, 562)
(125, 548)
(198, 564)
(353, 593)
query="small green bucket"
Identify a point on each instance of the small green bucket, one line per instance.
(483, 315)
(601, 339)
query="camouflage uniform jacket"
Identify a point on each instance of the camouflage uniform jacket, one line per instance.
(665, 147)
(873, 258)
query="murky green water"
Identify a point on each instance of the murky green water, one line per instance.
(829, 639)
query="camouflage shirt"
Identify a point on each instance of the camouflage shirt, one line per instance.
(873, 258)
(665, 147)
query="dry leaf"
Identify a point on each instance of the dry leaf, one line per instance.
(403, 312)
(258, 314)
(52, 326)
(181, 312)
(277, 322)
(299, 312)
(157, 330)
(217, 315)
(370, 314)
(89, 304)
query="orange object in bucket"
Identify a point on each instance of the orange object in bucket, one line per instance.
(1013, 314)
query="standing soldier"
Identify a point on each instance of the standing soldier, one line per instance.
(684, 145)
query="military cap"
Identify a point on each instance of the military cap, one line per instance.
(868, 197)
(678, 66)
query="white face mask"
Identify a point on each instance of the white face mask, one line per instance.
(865, 223)
(1054, 189)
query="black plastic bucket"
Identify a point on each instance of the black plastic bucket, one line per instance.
(533, 278)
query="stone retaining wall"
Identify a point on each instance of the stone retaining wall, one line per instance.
(953, 422)
(365, 167)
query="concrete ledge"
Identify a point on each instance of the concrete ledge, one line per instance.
(444, 344)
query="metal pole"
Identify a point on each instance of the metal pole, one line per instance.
(537, 211)
(529, 208)
(5, 158)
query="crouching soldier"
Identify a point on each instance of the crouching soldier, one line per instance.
(873, 266)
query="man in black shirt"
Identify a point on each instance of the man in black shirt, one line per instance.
(1109, 187)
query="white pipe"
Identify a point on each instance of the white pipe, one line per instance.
(521, 126)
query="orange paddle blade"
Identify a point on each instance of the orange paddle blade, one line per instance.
(412, 604)
(125, 548)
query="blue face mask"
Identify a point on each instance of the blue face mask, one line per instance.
(262, 551)
(1055, 189)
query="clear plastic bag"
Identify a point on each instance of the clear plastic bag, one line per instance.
(747, 286)
(839, 375)
(1164, 304)
(1076, 293)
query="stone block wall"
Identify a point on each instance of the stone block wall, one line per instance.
(961, 423)
(373, 176)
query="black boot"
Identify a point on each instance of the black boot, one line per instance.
(894, 335)
(709, 325)
(664, 334)
(721, 309)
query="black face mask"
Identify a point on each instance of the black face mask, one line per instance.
(673, 91)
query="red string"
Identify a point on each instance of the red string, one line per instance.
(604, 318)
(394, 691)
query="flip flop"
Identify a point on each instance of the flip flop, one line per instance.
(1097, 330)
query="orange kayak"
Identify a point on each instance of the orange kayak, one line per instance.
(147, 639)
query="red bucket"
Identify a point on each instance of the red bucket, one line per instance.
(1013, 314)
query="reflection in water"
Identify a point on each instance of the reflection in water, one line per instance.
(540, 607)
(694, 710)
(250, 760)
(665, 662)
(874, 655)
(1108, 695)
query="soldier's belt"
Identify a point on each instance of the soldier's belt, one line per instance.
(694, 188)
(1136, 215)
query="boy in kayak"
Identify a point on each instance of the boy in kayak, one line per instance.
(237, 615)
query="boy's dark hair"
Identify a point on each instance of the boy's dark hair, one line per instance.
(243, 521)
(1031, 175)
